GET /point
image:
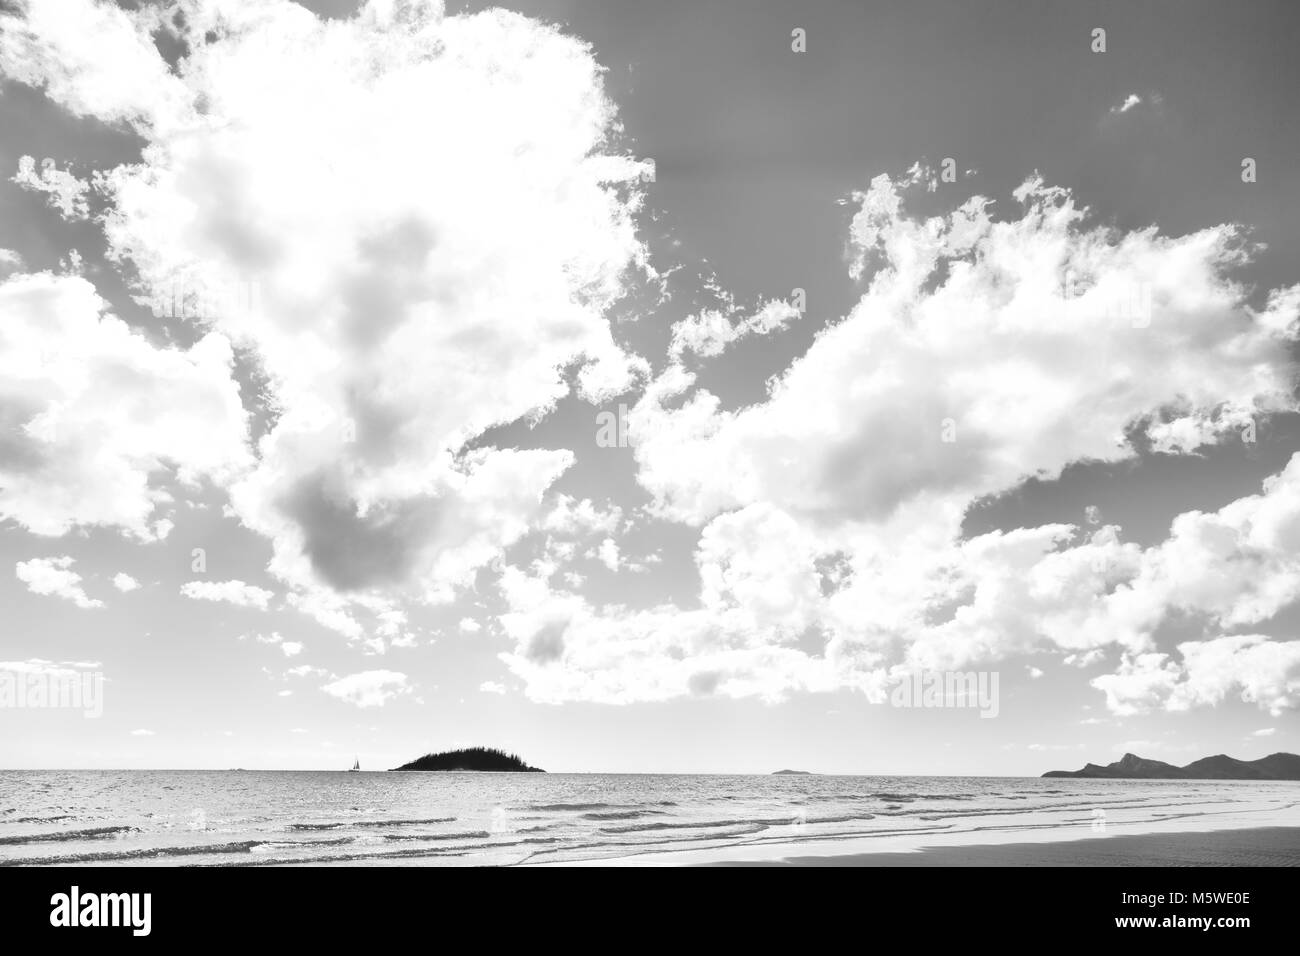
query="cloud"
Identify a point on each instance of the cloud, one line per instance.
(608, 553)
(117, 77)
(90, 412)
(707, 334)
(572, 517)
(233, 592)
(37, 665)
(393, 626)
(1264, 732)
(982, 352)
(369, 688)
(1141, 683)
(53, 576)
(492, 687)
(568, 649)
(292, 648)
(431, 225)
(328, 610)
(306, 670)
(469, 625)
(1255, 668)
(1129, 103)
(64, 191)
(124, 582)
(775, 616)
(442, 289)
(142, 733)
(1252, 667)
(1239, 565)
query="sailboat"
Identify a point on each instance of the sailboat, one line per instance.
(356, 766)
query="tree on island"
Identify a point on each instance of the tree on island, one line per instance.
(483, 759)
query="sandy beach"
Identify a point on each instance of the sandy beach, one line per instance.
(1266, 846)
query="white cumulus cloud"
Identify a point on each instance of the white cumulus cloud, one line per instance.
(369, 688)
(124, 582)
(54, 576)
(91, 411)
(232, 592)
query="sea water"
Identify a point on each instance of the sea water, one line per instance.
(250, 818)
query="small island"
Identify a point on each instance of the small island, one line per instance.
(798, 773)
(1278, 766)
(478, 759)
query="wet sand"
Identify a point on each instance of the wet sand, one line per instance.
(1265, 846)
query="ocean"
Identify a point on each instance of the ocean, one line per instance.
(264, 818)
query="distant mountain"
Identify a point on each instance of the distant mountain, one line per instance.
(483, 759)
(1129, 767)
(1223, 767)
(800, 773)
(1279, 766)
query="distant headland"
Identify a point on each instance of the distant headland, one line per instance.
(483, 759)
(1278, 766)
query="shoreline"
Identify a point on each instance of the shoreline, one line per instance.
(1240, 838)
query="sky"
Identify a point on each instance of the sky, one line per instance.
(649, 387)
